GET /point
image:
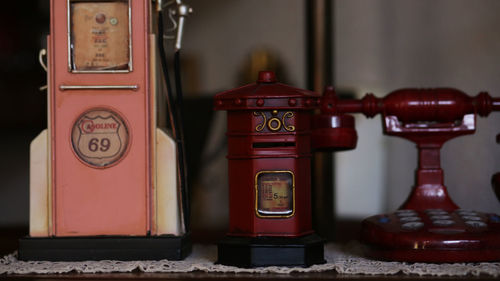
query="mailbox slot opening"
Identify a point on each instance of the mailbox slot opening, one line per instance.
(273, 144)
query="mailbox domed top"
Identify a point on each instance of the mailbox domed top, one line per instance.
(266, 93)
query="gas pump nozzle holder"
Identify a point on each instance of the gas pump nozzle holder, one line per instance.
(429, 118)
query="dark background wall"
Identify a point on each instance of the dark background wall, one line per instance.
(379, 46)
(23, 27)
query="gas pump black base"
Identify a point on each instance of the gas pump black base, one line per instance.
(271, 251)
(122, 248)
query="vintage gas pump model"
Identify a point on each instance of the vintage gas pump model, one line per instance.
(429, 226)
(105, 182)
(269, 154)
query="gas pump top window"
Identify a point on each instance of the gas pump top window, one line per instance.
(99, 37)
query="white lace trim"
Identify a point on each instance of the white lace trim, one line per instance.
(342, 259)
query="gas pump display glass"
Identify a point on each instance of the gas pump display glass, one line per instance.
(99, 38)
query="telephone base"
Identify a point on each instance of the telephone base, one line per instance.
(433, 236)
(124, 248)
(271, 251)
(434, 255)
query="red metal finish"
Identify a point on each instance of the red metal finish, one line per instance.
(456, 243)
(412, 105)
(429, 191)
(333, 131)
(427, 117)
(268, 131)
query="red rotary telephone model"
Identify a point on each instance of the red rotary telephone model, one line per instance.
(429, 226)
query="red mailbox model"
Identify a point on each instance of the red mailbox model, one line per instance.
(429, 226)
(269, 154)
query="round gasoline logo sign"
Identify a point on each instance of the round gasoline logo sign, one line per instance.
(100, 137)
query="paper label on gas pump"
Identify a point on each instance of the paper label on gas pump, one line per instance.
(275, 194)
(100, 36)
(100, 137)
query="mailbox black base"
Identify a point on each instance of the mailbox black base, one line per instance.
(271, 251)
(104, 248)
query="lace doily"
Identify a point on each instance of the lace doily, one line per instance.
(342, 259)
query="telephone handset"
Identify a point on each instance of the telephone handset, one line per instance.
(429, 226)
